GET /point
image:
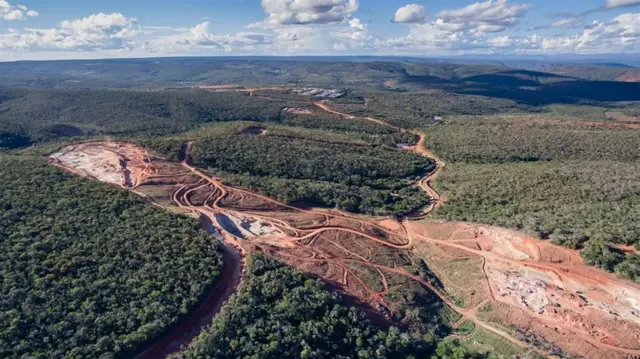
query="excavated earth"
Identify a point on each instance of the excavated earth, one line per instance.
(525, 290)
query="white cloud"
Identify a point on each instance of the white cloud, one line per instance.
(15, 12)
(437, 34)
(356, 24)
(463, 30)
(621, 34)
(501, 42)
(100, 26)
(612, 4)
(566, 23)
(412, 13)
(95, 32)
(200, 37)
(339, 46)
(489, 16)
(301, 12)
(155, 29)
(316, 27)
(355, 37)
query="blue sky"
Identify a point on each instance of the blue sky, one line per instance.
(46, 29)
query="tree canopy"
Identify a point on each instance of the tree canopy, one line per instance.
(88, 270)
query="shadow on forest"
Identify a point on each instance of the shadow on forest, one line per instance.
(530, 87)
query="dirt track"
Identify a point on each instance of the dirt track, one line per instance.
(330, 244)
(419, 149)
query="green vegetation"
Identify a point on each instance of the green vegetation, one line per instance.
(553, 177)
(93, 272)
(629, 267)
(90, 271)
(370, 132)
(211, 71)
(416, 109)
(421, 310)
(279, 312)
(603, 255)
(34, 116)
(528, 139)
(451, 349)
(406, 94)
(304, 166)
(496, 347)
(465, 328)
(569, 202)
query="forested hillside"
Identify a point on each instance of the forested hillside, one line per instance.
(141, 73)
(416, 108)
(90, 271)
(34, 116)
(279, 312)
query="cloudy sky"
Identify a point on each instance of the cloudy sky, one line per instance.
(64, 29)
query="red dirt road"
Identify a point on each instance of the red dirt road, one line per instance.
(337, 241)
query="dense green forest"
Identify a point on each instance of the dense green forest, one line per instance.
(160, 72)
(306, 166)
(280, 312)
(34, 116)
(530, 138)
(370, 132)
(88, 270)
(606, 256)
(415, 109)
(556, 178)
(569, 202)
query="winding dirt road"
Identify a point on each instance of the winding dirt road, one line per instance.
(425, 184)
(419, 148)
(323, 242)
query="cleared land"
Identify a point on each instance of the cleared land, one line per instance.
(523, 290)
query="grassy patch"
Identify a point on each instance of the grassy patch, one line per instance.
(465, 328)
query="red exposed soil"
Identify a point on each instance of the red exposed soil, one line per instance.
(536, 287)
